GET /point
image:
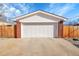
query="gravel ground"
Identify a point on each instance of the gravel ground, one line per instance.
(76, 43)
(37, 47)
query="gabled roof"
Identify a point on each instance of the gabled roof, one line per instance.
(42, 12)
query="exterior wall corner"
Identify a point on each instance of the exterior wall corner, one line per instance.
(60, 29)
(18, 29)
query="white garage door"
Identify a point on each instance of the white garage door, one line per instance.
(30, 31)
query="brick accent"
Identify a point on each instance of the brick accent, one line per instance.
(60, 29)
(18, 29)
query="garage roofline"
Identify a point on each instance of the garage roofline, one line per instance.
(42, 12)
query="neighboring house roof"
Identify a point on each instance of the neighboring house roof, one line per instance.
(7, 23)
(41, 12)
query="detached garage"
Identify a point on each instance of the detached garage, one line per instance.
(39, 24)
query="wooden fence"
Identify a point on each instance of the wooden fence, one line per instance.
(7, 31)
(71, 31)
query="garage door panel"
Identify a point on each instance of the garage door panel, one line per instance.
(37, 31)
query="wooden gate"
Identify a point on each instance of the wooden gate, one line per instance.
(7, 31)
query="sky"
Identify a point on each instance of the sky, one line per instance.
(67, 10)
